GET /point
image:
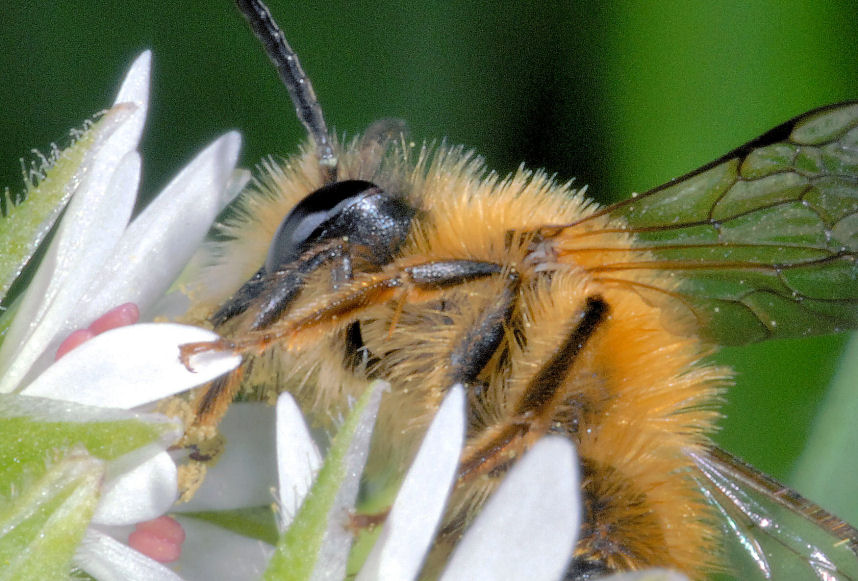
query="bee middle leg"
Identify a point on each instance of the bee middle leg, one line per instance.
(530, 417)
(473, 351)
(492, 447)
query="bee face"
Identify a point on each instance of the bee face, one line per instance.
(535, 291)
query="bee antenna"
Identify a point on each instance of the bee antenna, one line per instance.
(307, 106)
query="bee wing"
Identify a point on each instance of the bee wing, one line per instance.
(772, 531)
(764, 240)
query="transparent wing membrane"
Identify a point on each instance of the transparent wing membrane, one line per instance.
(764, 240)
(771, 532)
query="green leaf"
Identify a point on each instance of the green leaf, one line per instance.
(257, 522)
(308, 545)
(26, 222)
(34, 431)
(53, 460)
(44, 523)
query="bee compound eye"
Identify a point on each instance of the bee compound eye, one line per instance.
(311, 220)
(374, 222)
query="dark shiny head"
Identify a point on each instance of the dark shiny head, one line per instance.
(373, 222)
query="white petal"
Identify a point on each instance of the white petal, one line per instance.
(134, 90)
(107, 559)
(298, 459)
(131, 366)
(162, 239)
(236, 184)
(410, 526)
(139, 494)
(212, 553)
(172, 305)
(528, 528)
(245, 474)
(52, 410)
(93, 222)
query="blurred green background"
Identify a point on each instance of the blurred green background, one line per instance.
(623, 98)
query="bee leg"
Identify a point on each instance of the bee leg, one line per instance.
(242, 298)
(475, 349)
(543, 389)
(441, 274)
(531, 416)
(212, 401)
(427, 277)
(201, 439)
(490, 451)
(286, 284)
(414, 283)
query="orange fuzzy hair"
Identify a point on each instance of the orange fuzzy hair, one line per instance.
(636, 397)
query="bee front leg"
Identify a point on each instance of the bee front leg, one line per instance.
(409, 284)
(279, 289)
(284, 286)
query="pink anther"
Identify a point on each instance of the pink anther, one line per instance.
(126, 314)
(123, 315)
(72, 341)
(159, 539)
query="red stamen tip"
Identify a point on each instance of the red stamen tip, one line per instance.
(123, 315)
(72, 341)
(159, 539)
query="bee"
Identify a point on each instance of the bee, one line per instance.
(376, 258)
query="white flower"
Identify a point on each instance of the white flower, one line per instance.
(533, 512)
(97, 261)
